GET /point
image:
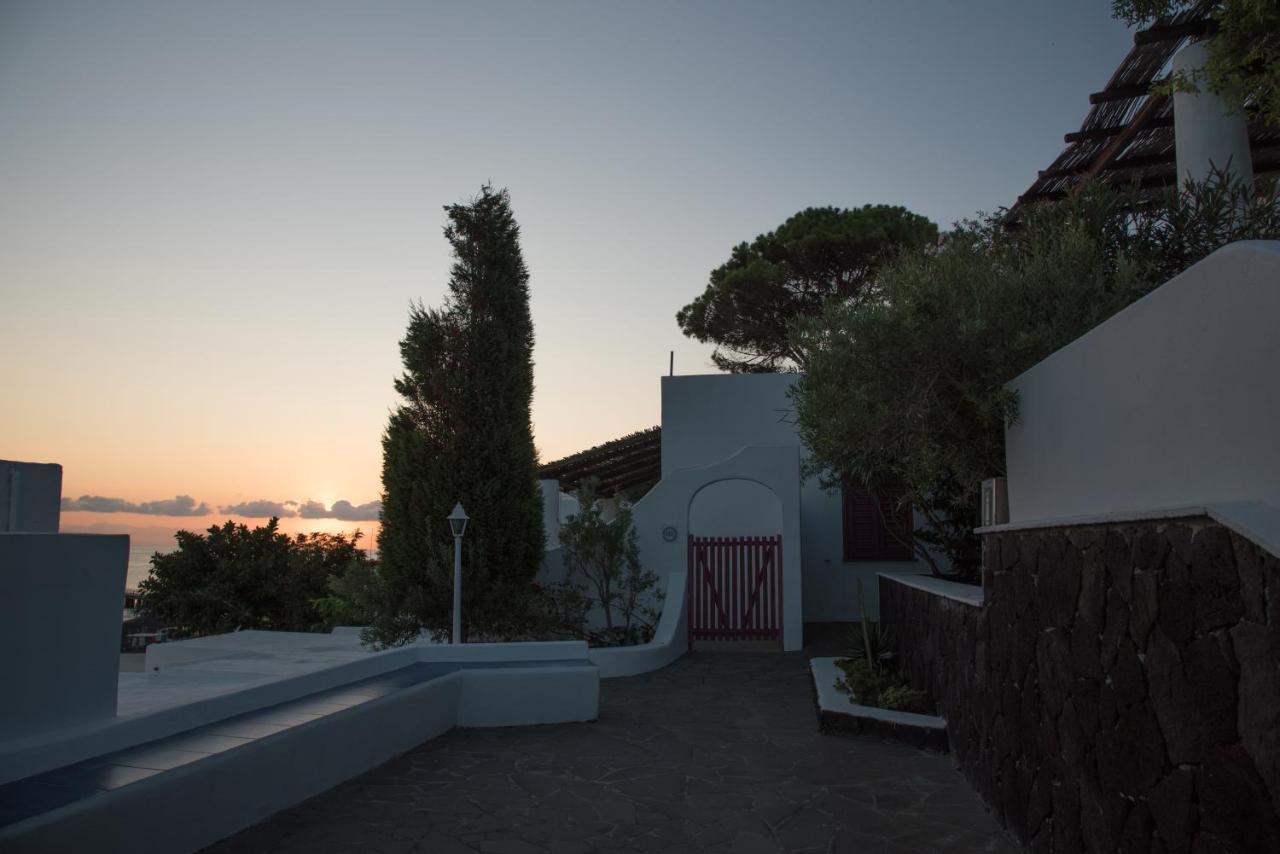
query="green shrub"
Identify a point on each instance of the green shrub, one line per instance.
(232, 578)
(603, 573)
(881, 688)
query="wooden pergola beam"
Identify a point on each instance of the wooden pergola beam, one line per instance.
(607, 474)
(1122, 93)
(1121, 140)
(1170, 32)
(1260, 151)
(1124, 163)
(1106, 133)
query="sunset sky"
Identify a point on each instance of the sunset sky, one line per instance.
(214, 216)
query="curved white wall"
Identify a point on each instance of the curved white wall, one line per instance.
(707, 419)
(735, 508)
(670, 638)
(666, 506)
(1173, 402)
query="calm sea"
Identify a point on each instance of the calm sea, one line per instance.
(140, 564)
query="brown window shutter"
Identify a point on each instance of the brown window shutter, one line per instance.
(894, 520)
(866, 536)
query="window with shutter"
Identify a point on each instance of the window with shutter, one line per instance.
(867, 521)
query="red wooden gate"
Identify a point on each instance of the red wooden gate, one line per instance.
(735, 588)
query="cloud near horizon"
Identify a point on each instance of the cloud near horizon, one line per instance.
(261, 509)
(342, 510)
(180, 505)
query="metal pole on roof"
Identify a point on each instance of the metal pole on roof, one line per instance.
(672, 368)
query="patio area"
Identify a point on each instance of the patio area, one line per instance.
(718, 752)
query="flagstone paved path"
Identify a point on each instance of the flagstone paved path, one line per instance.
(718, 752)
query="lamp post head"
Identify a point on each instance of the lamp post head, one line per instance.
(458, 520)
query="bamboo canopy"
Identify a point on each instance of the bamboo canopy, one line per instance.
(1127, 136)
(634, 460)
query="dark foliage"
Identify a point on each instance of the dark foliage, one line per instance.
(905, 387)
(815, 256)
(232, 578)
(462, 433)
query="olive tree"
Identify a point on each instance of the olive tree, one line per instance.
(904, 389)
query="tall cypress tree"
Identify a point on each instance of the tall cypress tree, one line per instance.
(463, 433)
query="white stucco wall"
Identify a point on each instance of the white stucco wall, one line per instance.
(735, 508)
(1174, 401)
(666, 506)
(708, 418)
(30, 496)
(60, 601)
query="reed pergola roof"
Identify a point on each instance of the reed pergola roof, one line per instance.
(1127, 136)
(634, 460)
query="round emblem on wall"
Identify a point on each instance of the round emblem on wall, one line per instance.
(669, 534)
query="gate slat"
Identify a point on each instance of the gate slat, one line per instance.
(735, 588)
(737, 584)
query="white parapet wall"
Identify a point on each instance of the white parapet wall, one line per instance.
(61, 597)
(30, 497)
(1172, 402)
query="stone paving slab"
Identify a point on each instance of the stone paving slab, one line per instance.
(719, 752)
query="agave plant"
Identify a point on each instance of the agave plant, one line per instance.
(872, 642)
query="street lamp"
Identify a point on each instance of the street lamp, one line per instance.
(457, 524)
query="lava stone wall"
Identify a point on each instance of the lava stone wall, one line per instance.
(1118, 691)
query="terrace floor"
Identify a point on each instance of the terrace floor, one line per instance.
(718, 752)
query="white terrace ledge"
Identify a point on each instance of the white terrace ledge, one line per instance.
(1256, 521)
(967, 594)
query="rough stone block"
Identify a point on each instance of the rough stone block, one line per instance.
(1213, 690)
(1066, 817)
(1177, 612)
(1058, 586)
(1259, 704)
(1145, 606)
(1234, 802)
(1135, 838)
(1173, 810)
(1215, 584)
(1149, 549)
(1117, 558)
(1128, 682)
(1115, 629)
(1253, 586)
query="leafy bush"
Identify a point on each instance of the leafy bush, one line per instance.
(232, 578)
(353, 598)
(904, 390)
(603, 574)
(881, 688)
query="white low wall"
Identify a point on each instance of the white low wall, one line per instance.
(670, 638)
(23, 756)
(61, 597)
(189, 807)
(195, 805)
(520, 696)
(1172, 402)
